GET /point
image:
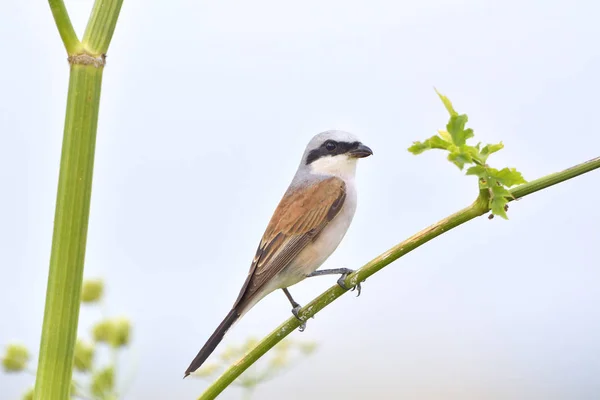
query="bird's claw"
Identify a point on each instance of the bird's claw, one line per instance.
(342, 283)
(296, 312)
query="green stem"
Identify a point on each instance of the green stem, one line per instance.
(61, 315)
(65, 28)
(478, 208)
(101, 26)
(59, 330)
(553, 179)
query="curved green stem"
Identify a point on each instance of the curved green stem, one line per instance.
(65, 28)
(552, 179)
(478, 208)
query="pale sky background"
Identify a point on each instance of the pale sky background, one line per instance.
(206, 109)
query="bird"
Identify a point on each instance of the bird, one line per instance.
(307, 226)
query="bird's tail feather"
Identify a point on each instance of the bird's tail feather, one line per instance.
(213, 341)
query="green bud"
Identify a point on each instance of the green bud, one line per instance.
(115, 332)
(206, 370)
(15, 359)
(307, 347)
(284, 346)
(231, 353)
(92, 290)
(248, 382)
(84, 356)
(250, 343)
(103, 382)
(103, 331)
(121, 332)
(28, 395)
(279, 360)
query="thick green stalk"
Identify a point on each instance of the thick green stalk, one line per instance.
(478, 208)
(61, 315)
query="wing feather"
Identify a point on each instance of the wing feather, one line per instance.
(299, 218)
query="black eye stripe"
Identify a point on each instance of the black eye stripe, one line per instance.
(340, 148)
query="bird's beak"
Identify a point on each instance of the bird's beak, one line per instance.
(360, 151)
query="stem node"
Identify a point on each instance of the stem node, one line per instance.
(87, 59)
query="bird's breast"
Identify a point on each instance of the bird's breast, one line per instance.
(315, 254)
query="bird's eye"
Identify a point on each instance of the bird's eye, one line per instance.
(330, 146)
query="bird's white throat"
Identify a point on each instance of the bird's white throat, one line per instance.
(340, 165)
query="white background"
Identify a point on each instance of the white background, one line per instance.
(206, 109)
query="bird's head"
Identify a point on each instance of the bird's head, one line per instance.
(334, 153)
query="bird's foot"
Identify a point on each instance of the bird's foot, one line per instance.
(343, 271)
(342, 281)
(296, 312)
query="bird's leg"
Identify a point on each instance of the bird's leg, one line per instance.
(344, 274)
(295, 305)
(295, 309)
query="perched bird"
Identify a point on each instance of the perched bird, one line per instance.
(306, 227)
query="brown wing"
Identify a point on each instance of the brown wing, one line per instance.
(299, 218)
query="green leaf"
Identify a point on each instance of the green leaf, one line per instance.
(468, 133)
(477, 170)
(434, 142)
(456, 124)
(491, 148)
(498, 199)
(497, 205)
(447, 103)
(509, 177)
(445, 135)
(418, 148)
(459, 158)
(498, 190)
(473, 152)
(456, 128)
(454, 140)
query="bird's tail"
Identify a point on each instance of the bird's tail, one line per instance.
(213, 341)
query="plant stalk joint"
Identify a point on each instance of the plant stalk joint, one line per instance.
(87, 59)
